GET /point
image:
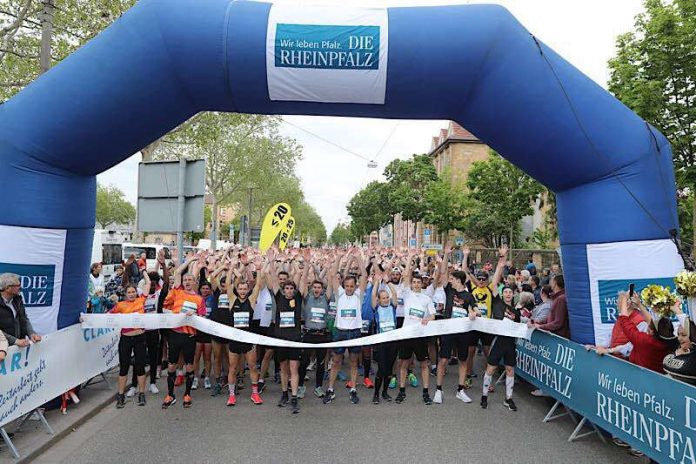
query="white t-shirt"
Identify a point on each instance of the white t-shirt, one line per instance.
(417, 306)
(399, 296)
(263, 311)
(348, 310)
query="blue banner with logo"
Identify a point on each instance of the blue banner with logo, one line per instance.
(650, 411)
(609, 294)
(36, 281)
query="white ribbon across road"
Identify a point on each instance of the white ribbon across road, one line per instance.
(435, 328)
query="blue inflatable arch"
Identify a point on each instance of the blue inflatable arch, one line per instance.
(166, 60)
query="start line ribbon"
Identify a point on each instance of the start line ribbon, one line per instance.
(503, 327)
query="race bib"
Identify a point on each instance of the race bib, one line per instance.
(483, 309)
(386, 326)
(269, 307)
(317, 315)
(458, 312)
(287, 319)
(241, 320)
(208, 310)
(349, 313)
(365, 327)
(400, 301)
(417, 313)
(224, 301)
(189, 306)
(150, 306)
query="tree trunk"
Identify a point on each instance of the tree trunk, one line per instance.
(213, 229)
(46, 35)
(693, 224)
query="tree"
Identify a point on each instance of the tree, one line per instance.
(342, 235)
(500, 195)
(112, 207)
(368, 209)
(73, 22)
(654, 74)
(446, 204)
(407, 182)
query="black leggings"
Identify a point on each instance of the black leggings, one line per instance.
(321, 355)
(131, 345)
(152, 341)
(385, 355)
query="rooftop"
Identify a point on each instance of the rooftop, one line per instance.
(453, 133)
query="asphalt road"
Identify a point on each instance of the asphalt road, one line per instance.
(341, 432)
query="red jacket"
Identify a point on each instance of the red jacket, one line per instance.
(618, 337)
(648, 351)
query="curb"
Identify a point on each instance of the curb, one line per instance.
(58, 436)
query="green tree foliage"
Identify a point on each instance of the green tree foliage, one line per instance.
(74, 23)
(654, 73)
(446, 204)
(499, 196)
(369, 209)
(112, 207)
(407, 182)
(342, 235)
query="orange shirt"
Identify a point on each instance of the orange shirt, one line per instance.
(179, 300)
(129, 307)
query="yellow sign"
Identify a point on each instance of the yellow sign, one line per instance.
(287, 233)
(276, 220)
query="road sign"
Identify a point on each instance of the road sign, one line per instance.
(459, 241)
(426, 231)
(412, 243)
(426, 236)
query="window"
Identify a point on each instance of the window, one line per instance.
(111, 254)
(151, 252)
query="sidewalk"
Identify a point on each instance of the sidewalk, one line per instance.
(33, 439)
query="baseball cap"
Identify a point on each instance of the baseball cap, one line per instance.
(482, 275)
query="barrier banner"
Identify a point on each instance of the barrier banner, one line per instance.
(31, 376)
(652, 412)
(434, 328)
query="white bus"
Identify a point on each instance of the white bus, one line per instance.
(150, 250)
(107, 249)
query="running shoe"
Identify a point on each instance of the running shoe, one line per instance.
(367, 383)
(217, 389)
(510, 404)
(319, 392)
(295, 405)
(131, 392)
(187, 401)
(206, 383)
(141, 399)
(618, 442)
(433, 371)
(635, 452)
(256, 398)
(283, 400)
(276, 377)
(484, 402)
(329, 396)
(120, 400)
(437, 398)
(463, 396)
(194, 385)
(426, 399)
(413, 379)
(341, 376)
(375, 399)
(168, 401)
(392, 382)
(312, 365)
(153, 389)
(179, 380)
(349, 384)
(262, 386)
(354, 397)
(539, 393)
(400, 398)
(386, 397)
(301, 391)
(232, 399)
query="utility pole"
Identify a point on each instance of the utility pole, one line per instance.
(46, 35)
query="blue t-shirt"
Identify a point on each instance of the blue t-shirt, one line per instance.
(385, 316)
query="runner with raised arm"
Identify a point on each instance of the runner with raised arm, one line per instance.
(384, 303)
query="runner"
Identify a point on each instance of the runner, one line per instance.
(204, 348)
(182, 299)
(131, 343)
(348, 321)
(242, 313)
(418, 309)
(385, 303)
(263, 317)
(220, 312)
(503, 349)
(483, 293)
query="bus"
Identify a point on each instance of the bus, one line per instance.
(107, 249)
(150, 250)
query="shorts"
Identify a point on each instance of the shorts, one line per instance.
(459, 341)
(503, 349)
(133, 344)
(485, 338)
(411, 346)
(202, 337)
(288, 354)
(181, 343)
(315, 336)
(345, 335)
(399, 322)
(239, 347)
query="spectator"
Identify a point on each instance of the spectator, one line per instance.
(531, 267)
(682, 364)
(3, 346)
(545, 277)
(540, 313)
(142, 262)
(96, 279)
(115, 285)
(526, 305)
(98, 303)
(558, 317)
(131, 272)
(535, 282)
(14, 322)
(619, 345)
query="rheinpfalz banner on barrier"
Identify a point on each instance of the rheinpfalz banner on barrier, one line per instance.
(31, 376)
(328, 55)
(36, 255)
(649, 411)
(613, 266)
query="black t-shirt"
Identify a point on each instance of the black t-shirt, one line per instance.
(242, 313)
(682, 367)
(463, 299)
(218, 314)
(500, 310)
(288, 317)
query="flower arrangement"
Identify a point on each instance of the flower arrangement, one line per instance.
(686, 283)
(658, 298)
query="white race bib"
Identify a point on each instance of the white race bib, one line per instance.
(458, 312)
(224, 301)
(386, 326)
(287, 319)
(189, 306)
(317, 315)
(241, 320)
